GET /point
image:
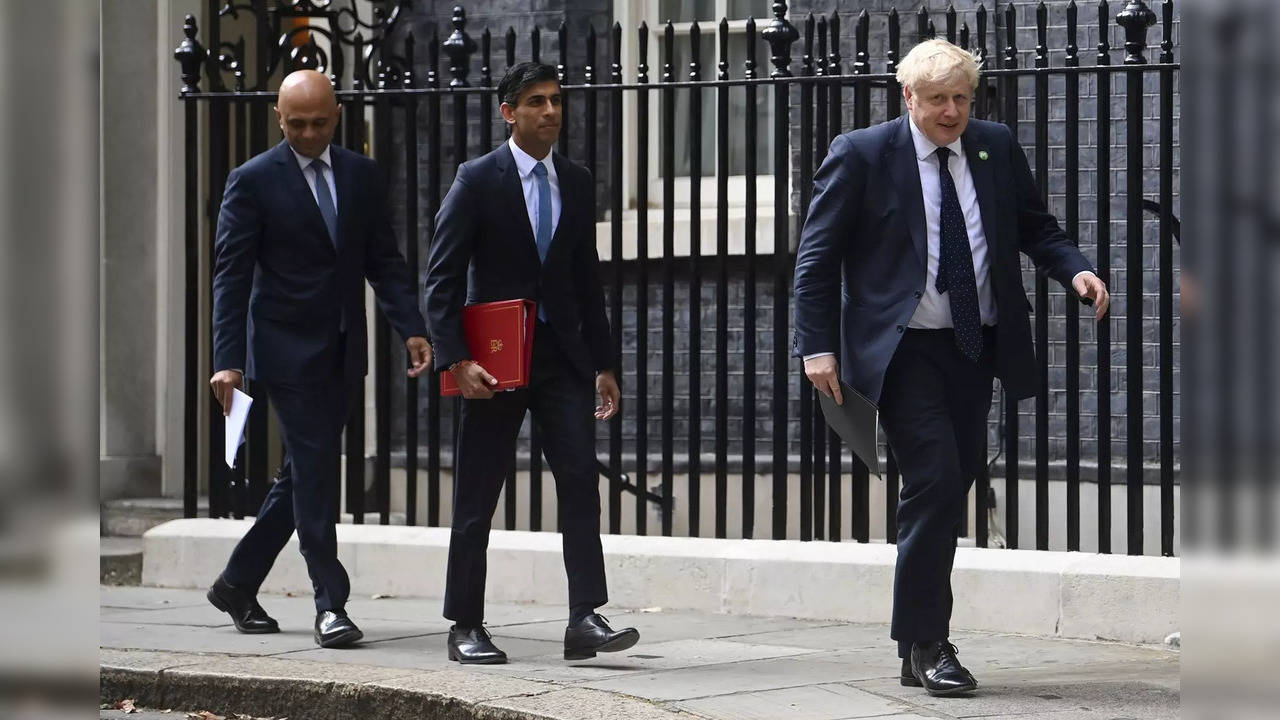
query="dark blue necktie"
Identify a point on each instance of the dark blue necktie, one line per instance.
(543, 237)
(955, 266)
(325, 200)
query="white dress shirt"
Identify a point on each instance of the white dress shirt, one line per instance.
(525, 164)
(934, 310)
(304, 162)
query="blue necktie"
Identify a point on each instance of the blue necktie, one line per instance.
(544, 210)
(325, 200)
(543, 238)
(955, 266)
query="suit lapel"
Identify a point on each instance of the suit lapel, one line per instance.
(345, 186)
(901, 159)
(513, 196)
(562, 177)
(984, 183)
(300, 192)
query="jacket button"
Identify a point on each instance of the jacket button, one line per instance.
(899, 328)
(919, 294)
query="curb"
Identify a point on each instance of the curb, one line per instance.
(279, 687)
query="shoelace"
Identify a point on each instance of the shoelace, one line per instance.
(947, 654)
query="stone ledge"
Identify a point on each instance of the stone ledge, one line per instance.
(1048, 594)
(320, 691)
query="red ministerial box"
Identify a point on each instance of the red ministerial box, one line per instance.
(500, 338)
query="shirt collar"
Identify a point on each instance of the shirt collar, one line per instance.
(926, 147)
(525, 161)
(304, 162)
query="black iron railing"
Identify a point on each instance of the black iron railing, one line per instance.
(420, 125)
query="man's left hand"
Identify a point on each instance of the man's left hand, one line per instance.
(1090, 286)
(610, 396)
(419, 355)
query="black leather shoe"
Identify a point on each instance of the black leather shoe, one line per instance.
(474, 646)
(907, 679)
(934, 665)
(592, 634)
(335, 629)
(245, 612)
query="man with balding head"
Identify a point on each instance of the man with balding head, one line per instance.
(908, 289)
(302, 226)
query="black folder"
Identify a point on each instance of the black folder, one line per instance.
(855, 423)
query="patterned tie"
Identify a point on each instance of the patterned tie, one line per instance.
(955, 266)
(543, 237)
(325, 200)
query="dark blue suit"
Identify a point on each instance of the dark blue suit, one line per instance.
(860, 274)
(484, 250)
(288, 309)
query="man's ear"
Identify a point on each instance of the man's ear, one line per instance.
(508, 113)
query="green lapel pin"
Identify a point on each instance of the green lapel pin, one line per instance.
(982, 155)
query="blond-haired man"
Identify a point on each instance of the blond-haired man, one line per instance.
(922, 219)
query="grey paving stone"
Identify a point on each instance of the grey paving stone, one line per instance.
(423, 652)
(810, 702)
(186, 638)
(824, 637)
(147, 598)
(726, 678)
(579, 704)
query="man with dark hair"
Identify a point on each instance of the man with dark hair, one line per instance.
(521, 221)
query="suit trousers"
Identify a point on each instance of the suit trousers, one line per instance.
(933, 409)
(305, 496)
(560, 400)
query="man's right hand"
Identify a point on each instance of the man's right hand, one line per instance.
(474, 382)
(223, 382)
(825, 376)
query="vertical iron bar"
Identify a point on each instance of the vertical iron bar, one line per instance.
(1135, 18)
(834, 109)
(781, 34)
(353, 131)
(668, 271)
(1103, 203)
(818, 137)
(411, 386)
(435, 167)
(749, 296)
(193, 384)
(1073, 307)
(1042, 284)
(695, 282)
(615, 221)
(722, 284)
(1011, 405)
(382, 334)
(1167, 520)
(806, 193)
(860, 508)
(219, 156)
(642, 281)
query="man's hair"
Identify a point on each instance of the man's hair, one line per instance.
(937, 61)
(521, 77)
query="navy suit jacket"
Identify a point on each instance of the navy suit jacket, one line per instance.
(861, 264)
(281, 288)
(484, 250)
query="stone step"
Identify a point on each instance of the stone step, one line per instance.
(120, 560)
(132, 517)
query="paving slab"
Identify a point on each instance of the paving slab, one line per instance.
(169, 649)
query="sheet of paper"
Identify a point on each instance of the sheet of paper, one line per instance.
(235, 424)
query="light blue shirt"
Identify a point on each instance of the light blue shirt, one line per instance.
(524, 164)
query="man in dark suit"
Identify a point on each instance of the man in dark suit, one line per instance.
(301, 226)
(519, 222)
(925, 215)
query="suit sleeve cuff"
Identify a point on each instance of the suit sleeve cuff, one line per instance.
(807, 358)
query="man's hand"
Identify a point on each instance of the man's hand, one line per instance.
(1090, 286)
(610, 396)
(419, 355)
(825, 376)
(474, 381)
(223, 382)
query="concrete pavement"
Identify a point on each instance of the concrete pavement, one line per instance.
(168, 648)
